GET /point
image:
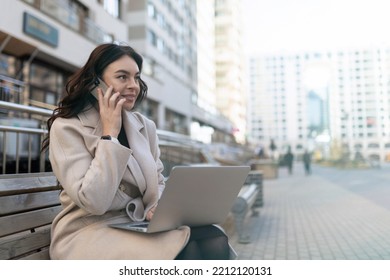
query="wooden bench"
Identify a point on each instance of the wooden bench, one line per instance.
(28, 205)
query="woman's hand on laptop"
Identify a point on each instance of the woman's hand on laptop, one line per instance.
(150, 214)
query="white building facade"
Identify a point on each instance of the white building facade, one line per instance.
(42, 42)
(230, 65)
(322, 100)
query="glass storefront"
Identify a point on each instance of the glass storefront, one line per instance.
(9, 65)
(176, 122)
(149, 108)
(11, 89)
(46, 85)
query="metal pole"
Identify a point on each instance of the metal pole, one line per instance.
(5, 42)
(29, 153)
(30, 59)
(4, 151)
(17, 154)
(41, 156)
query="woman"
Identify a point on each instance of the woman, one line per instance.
(105, 155)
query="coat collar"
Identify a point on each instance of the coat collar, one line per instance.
(91, 118)
(141, 163)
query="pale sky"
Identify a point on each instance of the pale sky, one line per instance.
(283, 25)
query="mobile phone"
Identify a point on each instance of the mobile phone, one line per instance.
(99, 83)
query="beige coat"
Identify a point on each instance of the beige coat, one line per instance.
(100, 178)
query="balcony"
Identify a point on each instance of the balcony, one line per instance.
(74, 16)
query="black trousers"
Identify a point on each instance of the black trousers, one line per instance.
(206, 243)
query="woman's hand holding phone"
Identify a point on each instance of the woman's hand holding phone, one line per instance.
(110, 110)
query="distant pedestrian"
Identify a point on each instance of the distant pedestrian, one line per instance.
(289, 160)
(260, 152)
(307, 162)
(273, 148)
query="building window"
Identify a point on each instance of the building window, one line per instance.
(373, 145)
(160, 45)
(9, 65)
(358, 146)
(46, 85)
(151, 10)
(112, 7)
(152, 38)
(150, 109)
(175, 122)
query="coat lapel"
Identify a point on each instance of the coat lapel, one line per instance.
(132, 128)
(141, 163)
(90, 118)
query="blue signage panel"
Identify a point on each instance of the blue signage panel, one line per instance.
(40, 30)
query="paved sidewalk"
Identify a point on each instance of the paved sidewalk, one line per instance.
(312, 218)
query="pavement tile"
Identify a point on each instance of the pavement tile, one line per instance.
(313, 218)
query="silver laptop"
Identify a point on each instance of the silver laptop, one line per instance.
(194, 196)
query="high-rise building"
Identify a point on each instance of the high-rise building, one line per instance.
(206, 55)
(359, 101)
(230, 65)
(165, 32)
(325, 98)
(43, 42)
(206, 101)
(277, 107)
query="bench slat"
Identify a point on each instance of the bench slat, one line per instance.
(28, 205)
(25, 242)
(18, 184)
(27, 202)
(41, 255)
(25, 221)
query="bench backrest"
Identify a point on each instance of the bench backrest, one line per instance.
(28, 205)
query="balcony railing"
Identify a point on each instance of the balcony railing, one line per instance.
(20, 143)
(71, 16)
(11, 90)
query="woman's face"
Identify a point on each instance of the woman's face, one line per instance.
(123, 74)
